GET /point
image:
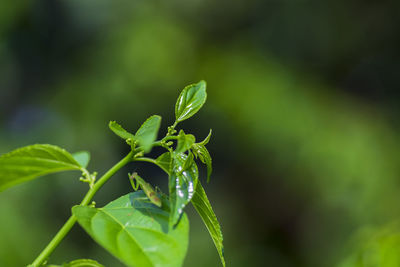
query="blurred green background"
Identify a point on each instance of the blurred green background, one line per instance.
(303, 100)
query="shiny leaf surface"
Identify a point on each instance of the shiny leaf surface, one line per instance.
(30, 162)
(82, 157)
(121, 132)
(191, 99)
(189, 161)
(147, 133)
(135, 231)
(181, 185)
(203, 207)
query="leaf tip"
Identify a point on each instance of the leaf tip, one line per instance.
(202, 83)
(207, 139)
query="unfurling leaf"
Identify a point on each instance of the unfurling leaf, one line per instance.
(190, 101)
(135, 231)
(185, 141)
(203, 207)
(121, 132)
(189, 161)
(147, 133)
(82, 157)
(30, 162)
(201, 151)
(182, 181)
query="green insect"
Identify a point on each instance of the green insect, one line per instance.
(146, 187)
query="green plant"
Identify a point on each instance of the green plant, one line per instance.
(143, 228)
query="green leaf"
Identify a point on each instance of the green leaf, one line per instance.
(164, 162)
(201, 151)
(207, 139)
(82, 157)
(185, 141)
(189, 161)
(191, 99)
(147, 133)
(83, 263)
(183, 174)
(181, 184)
(202, 205)
(30, 162)
(121, 132)
(135, 231)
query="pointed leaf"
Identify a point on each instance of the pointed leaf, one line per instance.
(147, 133)
(191, 99)
(202, 205)
(136, 231)
(185, 141)
(121, 132)
(30, 162)
(181, 185)
(207, 139)
(201, 151)
(164, 162)
(82, 157)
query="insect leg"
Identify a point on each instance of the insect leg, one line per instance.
(131, 178)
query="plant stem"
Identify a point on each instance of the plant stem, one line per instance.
(166, 138)
(54, 242)
(146, 160)
(72, 220)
